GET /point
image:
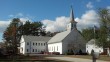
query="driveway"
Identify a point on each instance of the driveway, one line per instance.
(74, 59)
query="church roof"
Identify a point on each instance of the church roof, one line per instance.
(59, 37)
(92, 41)
(36, 38)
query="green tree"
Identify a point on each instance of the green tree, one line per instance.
(104, 33)
(33, 28)
(12, 36)
(16, 29)
(88, 33)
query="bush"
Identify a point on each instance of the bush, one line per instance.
(56, 53)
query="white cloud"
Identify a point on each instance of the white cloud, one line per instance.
(89, 5)
(20, 14)
(58, 25)
(11, 15)
(98, 0)
(25, 19)
(88, 19)
(108, 7)
(16, 15)
(4, 24)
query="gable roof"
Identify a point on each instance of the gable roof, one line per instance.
(36, 38)
(92, 41)
(59, 37)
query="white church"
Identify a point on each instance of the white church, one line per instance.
(68, 41)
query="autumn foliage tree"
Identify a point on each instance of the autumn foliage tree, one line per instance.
(12, 36)
(16, 29)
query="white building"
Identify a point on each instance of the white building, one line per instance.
(68, 41)
(92, 46)
(33, 44)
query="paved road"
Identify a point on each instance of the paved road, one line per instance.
(74, 59)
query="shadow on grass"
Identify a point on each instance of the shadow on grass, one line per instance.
(31, 61)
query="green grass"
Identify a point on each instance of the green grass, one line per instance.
(37, 58)
(32, 61)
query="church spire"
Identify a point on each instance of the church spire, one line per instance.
(71, 16)
(72, 24)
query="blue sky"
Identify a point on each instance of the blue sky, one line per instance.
(46, 9)
(49, 11)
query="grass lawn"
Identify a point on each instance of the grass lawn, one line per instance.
(37, 58)
(102, 57)
(34, 61)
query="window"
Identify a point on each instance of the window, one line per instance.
(22, 49)
(36, 44)
(39, 44)
(52, 48)
(33, 50)
(27, 50)
(27, 43)
(44, 44)
(36, 50)
(33, 43)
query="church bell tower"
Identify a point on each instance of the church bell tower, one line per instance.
(72, 24)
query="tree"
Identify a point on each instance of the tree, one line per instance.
(12, 36)
(104, 33)
(90, 33)
(33, 28)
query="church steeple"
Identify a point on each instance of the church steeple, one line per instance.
(72, 24)
(71, 16)
(72, 21)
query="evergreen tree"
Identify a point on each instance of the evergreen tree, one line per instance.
(12, 36)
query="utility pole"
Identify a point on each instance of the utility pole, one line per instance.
(94, 31)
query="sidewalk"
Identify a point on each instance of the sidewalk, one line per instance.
(74, 59)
